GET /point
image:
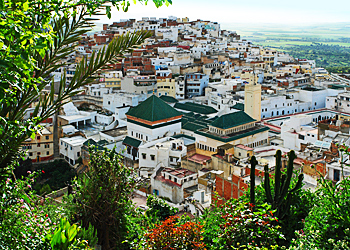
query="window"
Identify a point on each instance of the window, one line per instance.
(78, 154)
(61, 143)
(47, 152)
(47, 137)
(30, 154)
(152, 157)
(301, 137)
(144, 156)
(128, 149)
(175, 179)
(47, 145)
(71, 148)
(38, 137)
(38, 145)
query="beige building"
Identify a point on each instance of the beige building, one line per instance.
(234, 128)
(41, 147)
(252, 101)
(166, 87)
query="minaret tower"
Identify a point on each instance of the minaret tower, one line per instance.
(252, 99)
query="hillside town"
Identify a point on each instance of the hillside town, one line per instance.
(190, 106)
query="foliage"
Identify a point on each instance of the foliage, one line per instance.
(291, 204)
(327, 225)
(334, 58)
(65, 237)
(243, 227)
(170, 235)
(103, 197)
(35, 38)
(159, 208)
(25, 219)
(281, 198)
(45, 190)
(137, 223)
(57, 174)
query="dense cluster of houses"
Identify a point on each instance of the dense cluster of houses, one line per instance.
(191, 105)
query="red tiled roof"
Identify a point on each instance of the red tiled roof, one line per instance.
(167, 181)
(243, 147)
(199, 158)
(178, 172)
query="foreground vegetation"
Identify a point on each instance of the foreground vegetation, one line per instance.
(100, 211)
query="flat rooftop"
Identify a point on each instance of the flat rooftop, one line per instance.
(115, 132)
(74, 141)
(199, 158)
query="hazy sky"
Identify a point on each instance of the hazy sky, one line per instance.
(245, 11)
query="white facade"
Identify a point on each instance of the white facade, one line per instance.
(165, 151)
(121, 99)
(148, 134)
(196, 83)
(298, 130)
(172, 183)
(70, 148)
(296, 101)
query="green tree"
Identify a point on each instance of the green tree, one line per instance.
(159, 208)
(283, 192)
(103, 197)
(35, 37)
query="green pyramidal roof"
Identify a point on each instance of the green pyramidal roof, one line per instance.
(232, 120)
(153, 109)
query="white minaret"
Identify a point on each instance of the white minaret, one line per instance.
(252, 100)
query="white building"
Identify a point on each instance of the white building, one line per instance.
(152, 119)
(175, 184)
(196, 83)
(70, 148)
(298, 130)
(340, 102)
(166, 152)
(119, 99)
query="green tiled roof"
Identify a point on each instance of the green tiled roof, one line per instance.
(197, 108)
(194, 122)
(153, 109)
(90, 142)
(239, 106)
(233, 138)
(132, 141)
(192, 126)
(184, 136)
(168, 99)
(232, 120)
